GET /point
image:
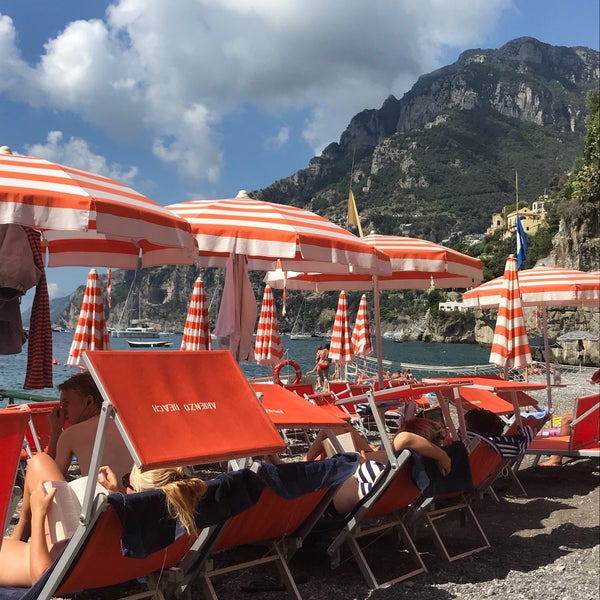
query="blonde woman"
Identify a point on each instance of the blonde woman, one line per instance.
(23, 562)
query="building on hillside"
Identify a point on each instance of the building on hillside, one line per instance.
(451, 306)
(531, 218)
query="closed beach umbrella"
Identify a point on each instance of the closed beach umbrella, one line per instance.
(340, 350)
(196, 333)
(91, 332)
(510, 345)
(268, 349)
(237, 313)
(362, 344)
(89, 220)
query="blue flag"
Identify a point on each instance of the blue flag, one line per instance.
(521, 242)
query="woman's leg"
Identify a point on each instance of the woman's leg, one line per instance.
(40, 467)
(14, 563)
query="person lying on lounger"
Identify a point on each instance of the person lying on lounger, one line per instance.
(422, 435)
(22, 563)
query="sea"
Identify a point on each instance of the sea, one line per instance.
(13, 367)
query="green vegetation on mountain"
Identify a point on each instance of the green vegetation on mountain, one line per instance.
(435, 164)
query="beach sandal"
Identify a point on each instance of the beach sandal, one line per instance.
(269, 584)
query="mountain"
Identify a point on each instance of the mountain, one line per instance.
(435, 164)
(439, 161)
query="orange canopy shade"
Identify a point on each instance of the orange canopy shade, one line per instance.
(183, 408)
(287, 409)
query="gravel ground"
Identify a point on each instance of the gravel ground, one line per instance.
(545, 545)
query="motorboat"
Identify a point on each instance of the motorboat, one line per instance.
(149, 343)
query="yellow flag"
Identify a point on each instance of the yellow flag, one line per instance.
(353, 213)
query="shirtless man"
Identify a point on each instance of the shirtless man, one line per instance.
(80, 405)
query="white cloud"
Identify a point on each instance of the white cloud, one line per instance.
(53, 290)
(76, 153)
(279, 140)
(175, 75)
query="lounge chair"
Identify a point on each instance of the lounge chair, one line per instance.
(584, 439)
(13, 424)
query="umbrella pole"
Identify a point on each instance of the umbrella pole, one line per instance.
(378, 331)
(547, 353)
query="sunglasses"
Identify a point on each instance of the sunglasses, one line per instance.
(125, 481)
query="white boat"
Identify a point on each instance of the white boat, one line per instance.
(301, 336)
(136, 332)
(149, 343)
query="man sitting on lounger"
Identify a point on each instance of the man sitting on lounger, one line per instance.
(80, 405)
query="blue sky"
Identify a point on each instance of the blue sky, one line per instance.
(215, 97)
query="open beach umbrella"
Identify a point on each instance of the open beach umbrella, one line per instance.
(362, 344)
(542, 287)
(196, 332)
(265, 232)
(234, 328)
(268, 349)
(340, 350)
(415, 263)
(91, 332)
(89, 220)
(510, 346)
(573, 336)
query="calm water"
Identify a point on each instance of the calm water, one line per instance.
(12, 367)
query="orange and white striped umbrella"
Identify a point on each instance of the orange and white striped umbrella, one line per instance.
(415, 263)
(362, 344)
(542, 286)
(91, 332)
(266, 231)
(90, 220)
(510, 345)
(340, 350)
(196, 332)
(268, 349)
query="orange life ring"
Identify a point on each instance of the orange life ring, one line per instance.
(283, 363)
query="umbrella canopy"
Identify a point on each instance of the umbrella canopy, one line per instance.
(89, 220)
(196, 333)
(415, 264)
(362, 344)
(268, 349)
(266, 231)
(542, 286)
(237, 314)
(91, 332)
(340, 351)
(510, 346)
(572, 336)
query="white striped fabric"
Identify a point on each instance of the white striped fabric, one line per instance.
(268, 349)
(542, 286)
(510, 345)
(416, 264)
(362, 343)
(91, 332)
(90, 220)
(340, 350)
(267, 231)
(196, 332)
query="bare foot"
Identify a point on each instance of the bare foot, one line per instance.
(273, 459)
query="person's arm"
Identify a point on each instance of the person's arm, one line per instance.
(108, 479)
(39, 555)
(57, 422)
(64, 452)
(419, 444)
